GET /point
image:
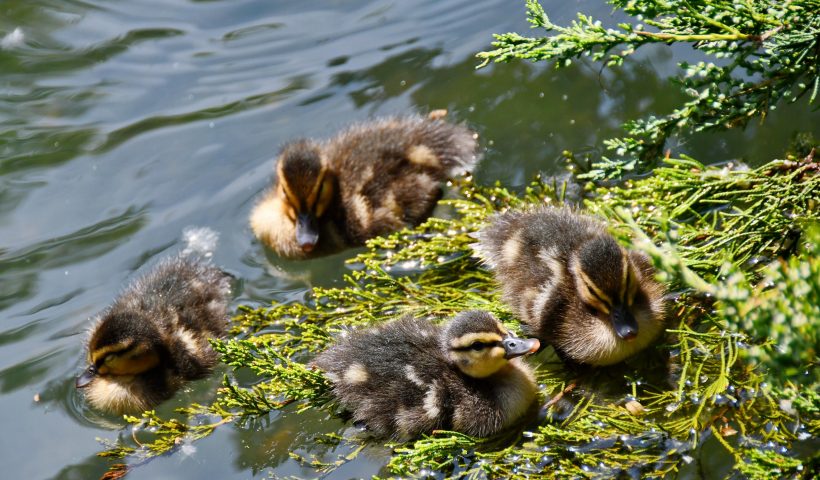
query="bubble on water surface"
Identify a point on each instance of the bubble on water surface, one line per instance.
(200, 240)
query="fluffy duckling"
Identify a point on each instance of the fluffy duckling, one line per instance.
(573, 285)
(371, 179)
(409, 376)
(154, 337)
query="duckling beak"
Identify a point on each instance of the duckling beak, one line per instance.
(307, 231)
(515, 347)
(86, 378)
(624, 322)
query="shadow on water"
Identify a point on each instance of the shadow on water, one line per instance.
(526, 115)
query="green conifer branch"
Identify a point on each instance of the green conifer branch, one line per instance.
(775, 58)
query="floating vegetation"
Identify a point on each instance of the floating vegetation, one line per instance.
(716, 378)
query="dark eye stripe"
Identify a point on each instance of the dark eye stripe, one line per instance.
(101, 361)
(627, 284)
(477, 345)
(315, 199)
(594, 294)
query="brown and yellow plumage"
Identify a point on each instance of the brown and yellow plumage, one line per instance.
(371, 179)
(154, 337)
(410, 376)
(573, 285)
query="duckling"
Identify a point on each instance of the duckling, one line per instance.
(371, 179)
(573, 285)
(410, 376)
(154, 337)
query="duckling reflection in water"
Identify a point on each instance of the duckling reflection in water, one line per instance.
(154, 337)
(373, 178)
(409, 376)
(573, 285)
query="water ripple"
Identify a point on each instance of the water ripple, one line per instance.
(122, 135)
(86, 243)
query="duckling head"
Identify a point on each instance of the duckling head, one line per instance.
(480, 346)
(306, 189)
(124, 353)
(619, 308)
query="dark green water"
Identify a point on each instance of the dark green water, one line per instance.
(122, 122)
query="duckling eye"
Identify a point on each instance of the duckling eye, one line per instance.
(477, 346)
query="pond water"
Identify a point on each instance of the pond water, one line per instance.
(123, 122)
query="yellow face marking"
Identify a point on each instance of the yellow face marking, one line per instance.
(597, 304)
(594, 295)
(624, 276)
(99, 353)
(325, 196)
(314, 191)
(289, 204)
(311, 200)
(480, 363)
(132, 362)
(273, 222)
(470, 338)
(632, 289)
(284, 205)
(283, 182)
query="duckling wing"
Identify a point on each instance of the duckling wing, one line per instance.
(196, 291)
(187, 299)
(529, 253)
(392, 378)
(390, 171)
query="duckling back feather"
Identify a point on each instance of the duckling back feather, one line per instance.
(390, 377)
(161, 323)
(187, 301)
(390, 171)
(543, 259)
(397, 380)
(373, 178)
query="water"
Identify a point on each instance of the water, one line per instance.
(123, 122)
